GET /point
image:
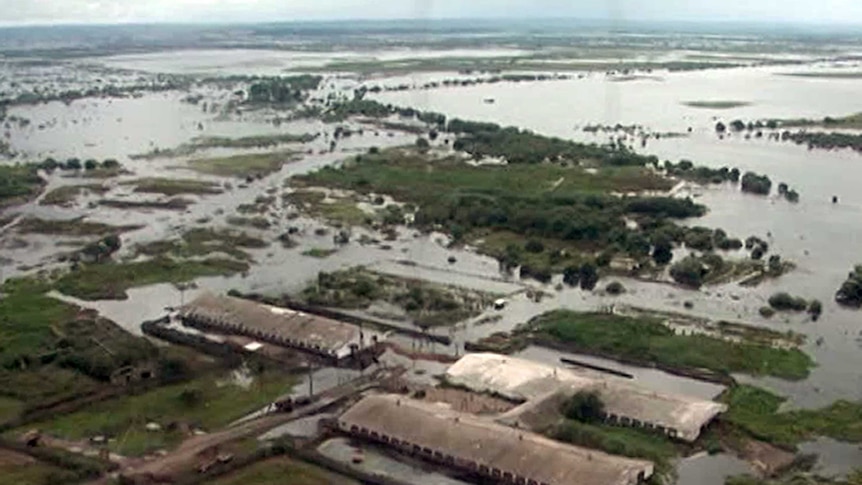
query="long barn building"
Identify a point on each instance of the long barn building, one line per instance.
(280, 326)
(541, 386)
(482, 447)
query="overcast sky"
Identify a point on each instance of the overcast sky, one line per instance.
(110, 11)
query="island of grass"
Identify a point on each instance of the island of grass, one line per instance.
(206, 143)
(66, 195)
(721, 104)
(202, 242)
(647, 340)
(244, 166)
(756, 412)
(319, 253)
(425, 303)
(77, 227)
(337, 209)
(578, 205)
(172, 187)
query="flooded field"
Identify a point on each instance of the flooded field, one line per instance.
(817, 235)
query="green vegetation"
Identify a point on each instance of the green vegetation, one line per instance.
(567, 207)
(826, 75)
(827, 141)
(280, 471)
(319, 253)
(850, 293)
(109, 281)
(756, 412)
(282, 90)
(716, 104)
(586, 407)
(206, 143)
(333, 208)
(694, 271)
(427, 304)
(204, 241)
(171, 187)
(785, 302)
(687, 170)
(854, 478)
(206, 403)
(247, 165)
(19, 183)
(258, 222)
(630, 442)
(19, 469)
(647, 340)
(66, 195)
(756, 184)
(70, 227)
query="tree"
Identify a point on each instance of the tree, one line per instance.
(688, 272)
(662, 252)
(586, 407)
(73, 164)
(756, 184)
(815, 309)
(588, 276)
(91, 164)
(572, 275)
(422, 144)
(720, 127)
(111, 163)
(615, 288)
(737, 125)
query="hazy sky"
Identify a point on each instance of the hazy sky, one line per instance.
(65, 11)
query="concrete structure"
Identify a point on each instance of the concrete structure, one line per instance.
(625, 404)
(468, 443)
(280, 326)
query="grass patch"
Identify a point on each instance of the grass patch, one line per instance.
(209, 142)
(9, 408)
(258, 222)
(335, 210)
(319, 253)
(630, 442)
(109, 281)
(207, 403)
(20, 469)
(755, 411)
(171, 187)
(280, 471)
(428, 304)
(77, 227)
(247, 165)
(205, 241)
(648, 340)
(727, 104)
(66, 195)
(19, 183)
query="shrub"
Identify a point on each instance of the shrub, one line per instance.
(785, 302)
(756, 184)
(534, 246)
(585, 407)
(615, 288)
(688, 272)
(589, 276)
(766, 312)
(850, 293)
(815, 309)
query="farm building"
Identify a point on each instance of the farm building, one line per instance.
(471, 444)
(680, 417)
(281, 326)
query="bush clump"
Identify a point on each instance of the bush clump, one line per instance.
(756, 184)
(586, 407)
(785, 302)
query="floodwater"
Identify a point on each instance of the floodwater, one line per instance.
(276, 62)
(818, 236)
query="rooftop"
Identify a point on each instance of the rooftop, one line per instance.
(312, 331)
(470, 438)
(526, 380)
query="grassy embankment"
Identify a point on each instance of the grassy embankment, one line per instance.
(206, 143)
(281, 470)
(646, 340)
(207, 403)
(19, 183)
(426, 303)
(246, 165)
(727, 104)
